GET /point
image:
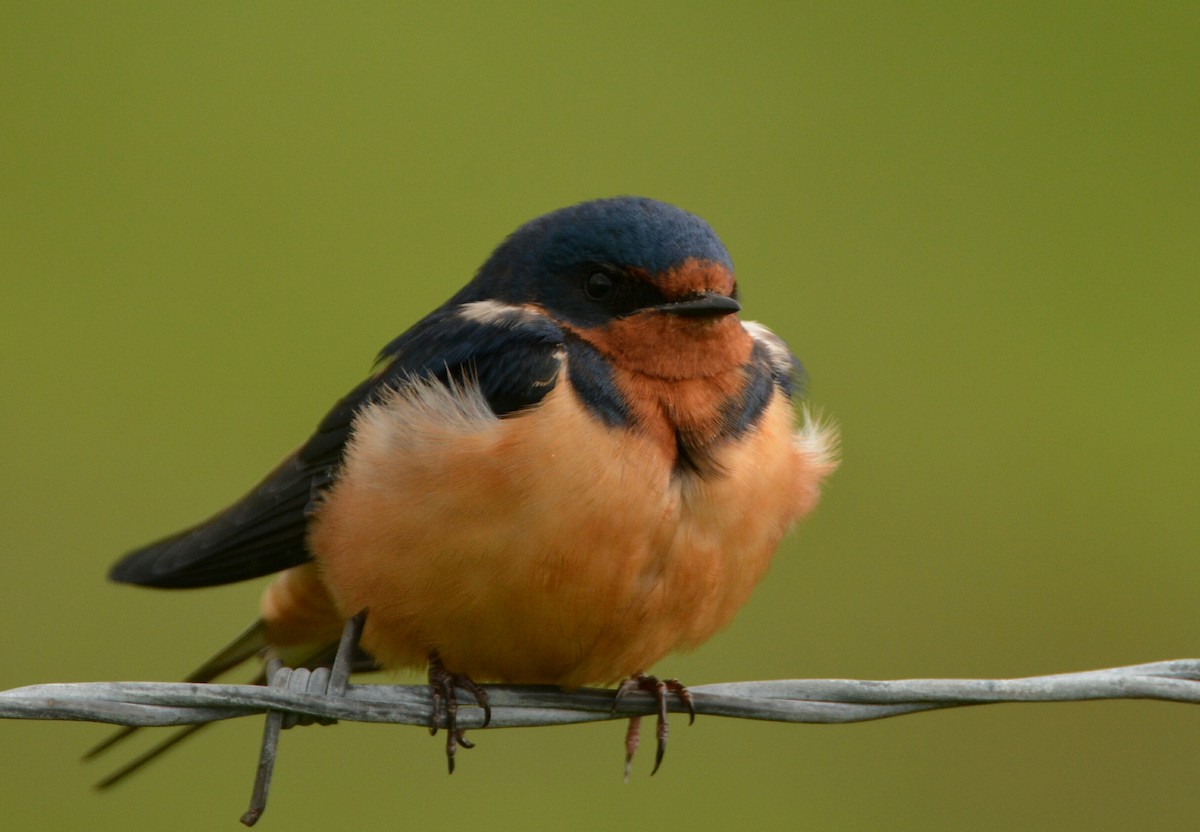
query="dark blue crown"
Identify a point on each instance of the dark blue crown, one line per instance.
(628, 231)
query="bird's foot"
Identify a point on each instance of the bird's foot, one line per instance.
(660, 689)
(328, 681)
(443, 685)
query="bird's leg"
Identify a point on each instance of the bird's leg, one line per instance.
(659, 688)
(323, 680)
(442, 684)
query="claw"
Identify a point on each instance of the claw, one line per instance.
(660, 689)
(632, 741)
(442, 685)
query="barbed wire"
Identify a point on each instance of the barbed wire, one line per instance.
(288, 701)
(143, 704)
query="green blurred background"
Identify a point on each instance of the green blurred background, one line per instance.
(977, 224)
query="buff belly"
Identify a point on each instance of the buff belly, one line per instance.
(543, 548)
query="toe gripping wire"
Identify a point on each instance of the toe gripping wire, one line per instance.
(659, 689)
(321, 681)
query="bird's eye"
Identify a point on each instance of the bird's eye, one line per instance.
(598, 286)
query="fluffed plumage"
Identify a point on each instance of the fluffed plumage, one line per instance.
(579, 463)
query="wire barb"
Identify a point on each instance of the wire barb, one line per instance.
(320, 681)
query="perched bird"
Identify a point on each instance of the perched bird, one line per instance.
(578, 464)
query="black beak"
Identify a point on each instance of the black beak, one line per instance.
(704, 305)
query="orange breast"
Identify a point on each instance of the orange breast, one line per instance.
(547, 548)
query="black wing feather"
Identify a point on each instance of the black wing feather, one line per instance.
(514, 360)
(255, 536)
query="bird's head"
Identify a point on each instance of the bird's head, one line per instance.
(647, 284)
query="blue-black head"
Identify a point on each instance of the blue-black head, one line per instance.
(597, 261)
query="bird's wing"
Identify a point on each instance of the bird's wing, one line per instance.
(512, 353)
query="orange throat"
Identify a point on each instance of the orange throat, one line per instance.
(674, 372)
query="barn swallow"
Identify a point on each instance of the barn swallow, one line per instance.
(581, 462)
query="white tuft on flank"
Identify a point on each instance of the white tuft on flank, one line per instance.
(777, 351)
(459, 406)
(817, 438)
(497, 313)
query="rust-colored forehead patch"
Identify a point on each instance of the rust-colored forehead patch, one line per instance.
(691, 277)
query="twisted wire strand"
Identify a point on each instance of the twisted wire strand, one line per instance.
(795, 700)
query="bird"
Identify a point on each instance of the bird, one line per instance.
(581, 462)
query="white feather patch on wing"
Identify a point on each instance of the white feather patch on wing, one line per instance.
(497, 313)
